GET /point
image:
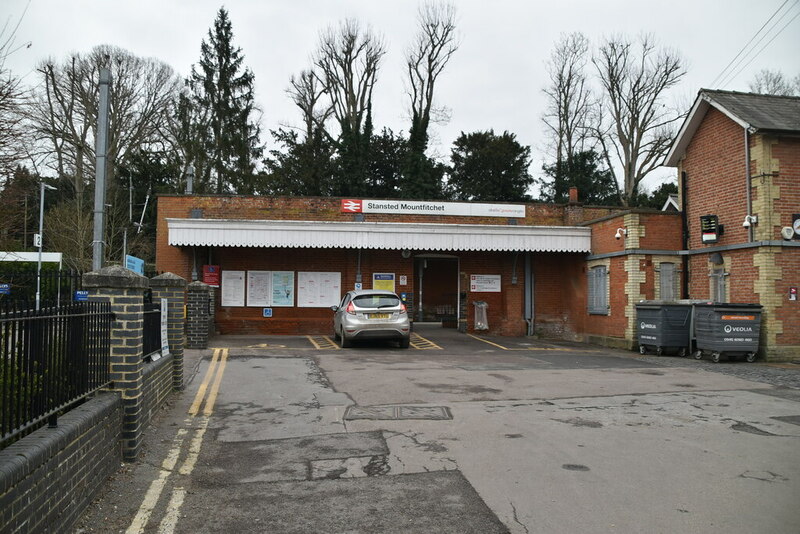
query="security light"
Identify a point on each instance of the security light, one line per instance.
(620, 232)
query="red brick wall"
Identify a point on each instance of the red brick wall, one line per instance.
(789, 311)
(716, 183)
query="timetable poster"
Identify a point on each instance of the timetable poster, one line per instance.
(233, 288)
(318, 290)
(259, 288)
(283, 288)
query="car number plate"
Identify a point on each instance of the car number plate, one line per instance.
(379, 315)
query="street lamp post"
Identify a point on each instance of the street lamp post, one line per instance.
(42, 187)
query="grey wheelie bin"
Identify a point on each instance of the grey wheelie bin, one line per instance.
(731, 330)
(664, 326)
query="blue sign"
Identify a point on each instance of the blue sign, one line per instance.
(267, 312)
(134, 264)
(5, 289)
(81, 296)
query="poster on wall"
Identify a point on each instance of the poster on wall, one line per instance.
(233, 288)
(383, 281)
(211, 275)
(259, 288)
(318, 290)
(485, 283)
(282, 288)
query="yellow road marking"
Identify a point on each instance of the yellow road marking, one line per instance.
(323, 343)
(170, 520)
(157, 485)
(201, 392)
(421, 343)
(488, 342)
(215, 371)
(212, 396)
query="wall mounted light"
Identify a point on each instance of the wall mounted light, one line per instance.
(620, 232)
(749, 220)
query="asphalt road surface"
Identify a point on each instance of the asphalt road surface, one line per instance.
(462, 434)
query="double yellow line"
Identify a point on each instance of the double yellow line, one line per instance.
(213, 377)
(217, 366)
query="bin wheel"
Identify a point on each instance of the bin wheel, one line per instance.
(682, 353)
(751, 357)
(642, 349)
(659, 351)
(715, 357)
(698, 355)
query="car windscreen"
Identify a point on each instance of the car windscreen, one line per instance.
(376, 301)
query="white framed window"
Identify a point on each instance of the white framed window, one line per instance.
(718, 285)
(667, 281)
(598, 290)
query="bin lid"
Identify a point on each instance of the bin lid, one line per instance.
(730, 305)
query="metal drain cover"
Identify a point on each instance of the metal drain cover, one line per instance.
(397, 412)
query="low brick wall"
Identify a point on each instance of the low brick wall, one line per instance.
(49, 477)
(156, 385)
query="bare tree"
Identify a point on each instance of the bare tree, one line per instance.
(307, 93)
(11, 99)
(348, 58)
(426, 58)
(568, 114)
(63, 111)
(634, 126)
(773, 82)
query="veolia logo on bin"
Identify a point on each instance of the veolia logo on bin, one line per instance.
(645, 326)
(730, 329)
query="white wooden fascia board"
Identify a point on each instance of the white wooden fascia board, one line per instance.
(377, 235)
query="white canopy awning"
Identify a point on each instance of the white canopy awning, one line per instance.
(376, 235)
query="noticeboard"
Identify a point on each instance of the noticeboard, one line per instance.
(232, 288)
(384, 281)
(709, 228)
(485, 283)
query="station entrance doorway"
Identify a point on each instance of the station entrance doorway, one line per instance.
(437, 281)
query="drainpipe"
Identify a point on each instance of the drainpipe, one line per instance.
(747, 177)
(685, 238)
(528, 293)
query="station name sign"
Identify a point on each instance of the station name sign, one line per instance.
(410, 207)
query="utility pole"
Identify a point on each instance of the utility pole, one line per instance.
(100, 170)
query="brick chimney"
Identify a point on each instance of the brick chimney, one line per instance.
(573, 195)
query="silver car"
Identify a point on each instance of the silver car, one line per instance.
(371, 314)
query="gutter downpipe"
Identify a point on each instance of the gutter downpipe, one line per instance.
(748, 181)
(685, 238)
(528, 294)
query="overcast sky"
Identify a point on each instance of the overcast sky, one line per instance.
(494, 80)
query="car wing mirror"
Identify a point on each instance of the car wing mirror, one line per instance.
(335, 308)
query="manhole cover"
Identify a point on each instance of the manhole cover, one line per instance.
(397, 412)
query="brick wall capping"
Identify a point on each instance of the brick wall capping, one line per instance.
(115, 276)
(621, 214)
(168, 280)
(199, 286)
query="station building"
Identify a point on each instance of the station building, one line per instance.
(567, 271)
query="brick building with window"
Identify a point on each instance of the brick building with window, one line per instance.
(738, 161)
(568, 271)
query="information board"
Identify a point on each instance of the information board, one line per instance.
(485, 283)
(259, 288)
(232, 288)
(318, 290)
(282, 288)
(164, 327)
(384, 281)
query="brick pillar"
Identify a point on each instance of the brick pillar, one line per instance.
(197, 315)
(124, 289)
(173, 288)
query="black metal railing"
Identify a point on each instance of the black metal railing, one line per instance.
(55, 286)
(50, 359)
(151, 329)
